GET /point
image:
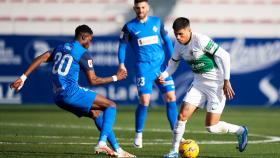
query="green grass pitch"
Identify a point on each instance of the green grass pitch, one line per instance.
(47, 131)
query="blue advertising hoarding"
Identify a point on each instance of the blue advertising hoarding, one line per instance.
(255, 67)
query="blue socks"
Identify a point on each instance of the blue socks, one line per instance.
(111, 137)
(172, 113)
(109, 115)
(140, 117)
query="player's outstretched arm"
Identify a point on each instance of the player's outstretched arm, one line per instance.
(18, 84)
(171, 68)
(95, 80)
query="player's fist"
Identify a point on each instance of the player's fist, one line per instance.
(121, 74)
(122, 67)
(228, 91)
(161, 79)
(17, 84)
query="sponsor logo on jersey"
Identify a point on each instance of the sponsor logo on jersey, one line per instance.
(148, 40)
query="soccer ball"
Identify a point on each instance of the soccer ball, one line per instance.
(188, 149)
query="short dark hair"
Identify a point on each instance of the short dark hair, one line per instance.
(82, 29)
(139, 1)
(181, 23)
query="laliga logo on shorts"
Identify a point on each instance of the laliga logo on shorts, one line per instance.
(251, 58)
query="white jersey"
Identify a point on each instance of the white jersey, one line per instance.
(199, 54)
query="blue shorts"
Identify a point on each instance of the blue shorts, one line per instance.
(79, 103)
(145, 83)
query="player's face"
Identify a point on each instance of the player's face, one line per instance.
(141, 9)
(86, 40)
(183, 35)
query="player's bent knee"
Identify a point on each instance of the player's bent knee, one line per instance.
(182, 117)
(113, 104)
(110, 103)
(170, 98)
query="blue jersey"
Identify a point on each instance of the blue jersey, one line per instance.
(68, 59)
(146, 40)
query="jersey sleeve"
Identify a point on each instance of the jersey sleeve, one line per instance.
(167, 42)
(125, 35)
(177, 52)
(86, 62)
(124, 39)
(163, 32)
(208, 45)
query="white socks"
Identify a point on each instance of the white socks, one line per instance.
(220, 127)
(138, 135)
(224, 127)
(101, 143)
(178, 133)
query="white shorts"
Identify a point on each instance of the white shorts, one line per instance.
(202, 94)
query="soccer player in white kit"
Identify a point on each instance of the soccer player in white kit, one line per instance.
(210, 87)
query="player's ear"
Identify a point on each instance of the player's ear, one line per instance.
(83, 38)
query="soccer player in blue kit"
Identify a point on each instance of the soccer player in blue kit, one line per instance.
(67, 60)
(147, 37)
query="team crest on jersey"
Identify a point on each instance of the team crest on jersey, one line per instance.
(155, 29)
(90, 63)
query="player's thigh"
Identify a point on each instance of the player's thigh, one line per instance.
(145, 99)
(79, 103)
(95, 113)
(100, 103)
(186, 111)
(215, 100)
(144, 83)
(195, 97)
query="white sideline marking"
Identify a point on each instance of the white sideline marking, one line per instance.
(267, 139)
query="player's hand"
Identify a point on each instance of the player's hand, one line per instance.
(121, 74)
(17, 84)
(122, 68)
(228, 91)
(161, 79)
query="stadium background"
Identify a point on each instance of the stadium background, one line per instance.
(248, 29)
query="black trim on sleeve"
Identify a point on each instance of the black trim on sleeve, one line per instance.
(174, 60)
